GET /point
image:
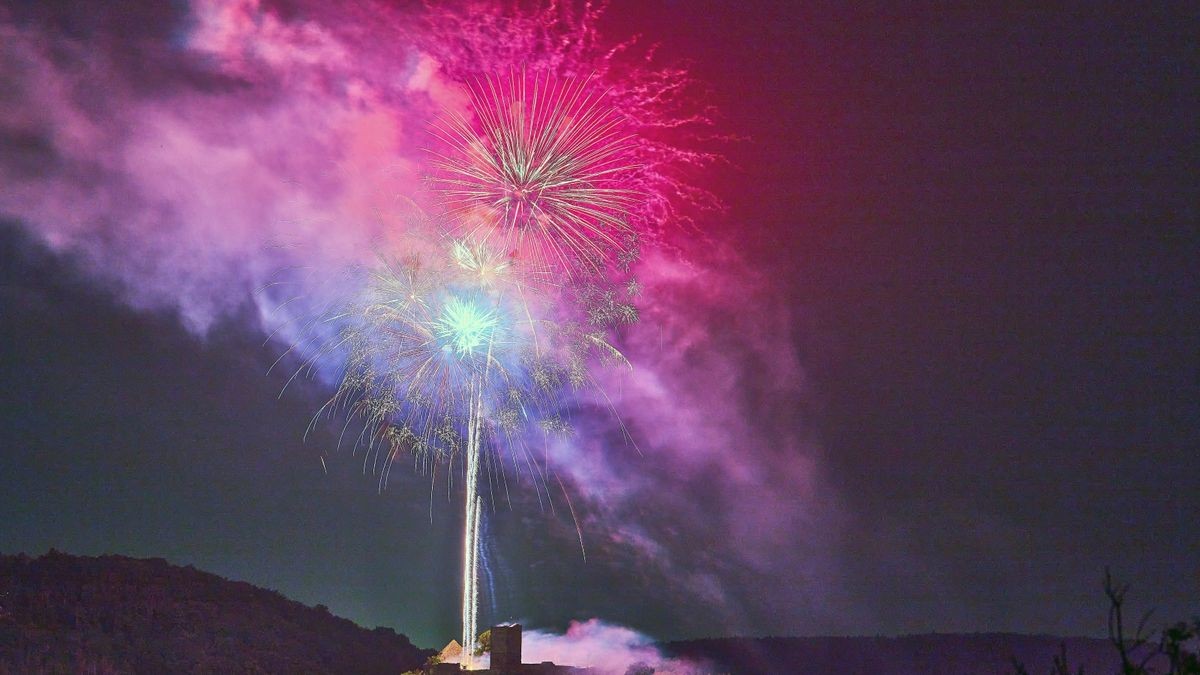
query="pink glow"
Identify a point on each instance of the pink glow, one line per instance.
(595, 644)
(300, 141)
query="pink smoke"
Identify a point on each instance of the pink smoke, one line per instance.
(274, 141)
(714, 406)
(606, 647)
(188, 198)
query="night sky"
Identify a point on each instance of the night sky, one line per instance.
(933, 368)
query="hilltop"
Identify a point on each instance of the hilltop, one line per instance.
(109, 614)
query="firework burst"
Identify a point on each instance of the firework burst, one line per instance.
(415, 350)
(568, 158)
(426, 350)
(442, 364)
(542, 171)
(660, 107)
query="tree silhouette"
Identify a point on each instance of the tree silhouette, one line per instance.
(1175, 649)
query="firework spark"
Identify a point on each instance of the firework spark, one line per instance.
(668, 135)
(466, 326)
(546, 188)
(542, 171)
(441, 366)
(545, 172)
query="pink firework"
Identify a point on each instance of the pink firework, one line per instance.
(545, 171)
(660, 121)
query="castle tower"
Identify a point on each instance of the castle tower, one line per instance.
(506, 649)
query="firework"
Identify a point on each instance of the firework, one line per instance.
(420, 340)
(569, 158)
(668, 137)
(426, 365)
(415, 349)
(539, 185)
(448, 361)
(543, 172)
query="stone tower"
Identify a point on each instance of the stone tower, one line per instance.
(506, 649)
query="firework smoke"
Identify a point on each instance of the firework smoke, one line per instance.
(294, 144)
(546, 169)
(442, 365)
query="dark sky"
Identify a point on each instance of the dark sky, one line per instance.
(973, 234)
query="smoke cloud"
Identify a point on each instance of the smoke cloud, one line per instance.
(239, 145)
(190, 159)
(603, 646)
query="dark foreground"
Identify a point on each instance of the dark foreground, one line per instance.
(68, 614)
(952, 654)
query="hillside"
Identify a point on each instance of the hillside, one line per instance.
(935, 654)
(67, 614)
(111, 614)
